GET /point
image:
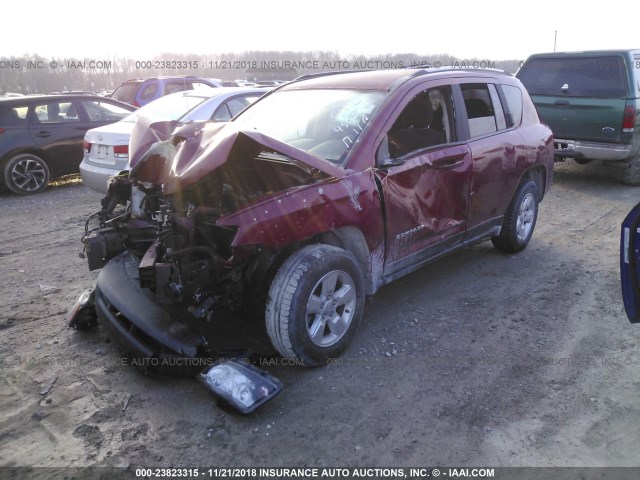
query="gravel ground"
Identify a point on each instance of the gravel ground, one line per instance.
(481, 359)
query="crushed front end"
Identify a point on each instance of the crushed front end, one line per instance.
(174, 289)
(170, 288)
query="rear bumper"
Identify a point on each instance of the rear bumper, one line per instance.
(591, 150)
(96, 177)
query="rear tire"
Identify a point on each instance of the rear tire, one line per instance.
(26, 174)
(631, 174)
(315, 304)
(519, 219)
(582, 161)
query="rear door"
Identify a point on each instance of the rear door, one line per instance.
(630, 264)
(580, 98)
(498, 153)
(58, 128)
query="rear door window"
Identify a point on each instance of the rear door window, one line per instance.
(231, 108)
(480, 109)
(176, 87)
(600, 77)
(236, 105)
(56, 112)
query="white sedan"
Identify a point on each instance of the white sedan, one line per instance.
(106, 149)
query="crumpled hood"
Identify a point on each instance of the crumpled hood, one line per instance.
(178, 157)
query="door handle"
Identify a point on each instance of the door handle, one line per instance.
(448, 162)
(43, 134)
(562, 103)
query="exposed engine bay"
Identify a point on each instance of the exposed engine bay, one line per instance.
(185, 258)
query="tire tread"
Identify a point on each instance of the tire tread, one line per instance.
(281, 297)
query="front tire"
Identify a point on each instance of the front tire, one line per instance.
(315, 304)
(519, 219)
(26, 174)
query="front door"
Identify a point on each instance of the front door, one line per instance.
(630, 264)
(425, 178)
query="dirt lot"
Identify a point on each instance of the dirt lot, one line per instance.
(480, 359)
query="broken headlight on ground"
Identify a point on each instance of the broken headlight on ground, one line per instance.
(82, 315)
(240, 385)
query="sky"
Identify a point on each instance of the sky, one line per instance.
(482, 29)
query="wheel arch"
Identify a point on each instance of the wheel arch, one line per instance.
(352, 239)
(348, 238)
(538, 175)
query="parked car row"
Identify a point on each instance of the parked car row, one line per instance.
(139, 92)
(41, 137)
(106, 149)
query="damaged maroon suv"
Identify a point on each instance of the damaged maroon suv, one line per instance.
(266, 234)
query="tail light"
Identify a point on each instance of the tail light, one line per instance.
(628, 120)
(121, 151)
(135, 104)
(1, 130)
(87, 146)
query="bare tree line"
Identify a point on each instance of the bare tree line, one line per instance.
(30, 74)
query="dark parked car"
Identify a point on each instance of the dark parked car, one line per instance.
(268, 232)
(630, 264)
(139, 92)
(41, 136)
(591, 101)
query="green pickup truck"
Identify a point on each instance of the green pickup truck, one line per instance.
(591, 102)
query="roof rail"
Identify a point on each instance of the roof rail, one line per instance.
(466, 69)
(309, 76)
(415, 73)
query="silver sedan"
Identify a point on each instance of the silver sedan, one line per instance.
(106, 149)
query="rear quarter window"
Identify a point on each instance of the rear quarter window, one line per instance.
(148, 92)
(98, 111)
(513, 96)
(126, 92)
(13, 116)
(600, 77)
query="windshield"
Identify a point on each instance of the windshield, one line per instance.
(324, 123)
(171, 107)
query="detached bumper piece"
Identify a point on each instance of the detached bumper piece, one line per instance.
(158, 342)
(240, 385)
(144, 328)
